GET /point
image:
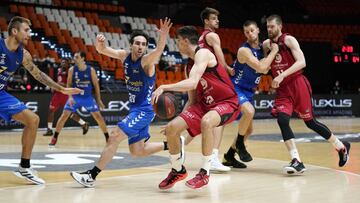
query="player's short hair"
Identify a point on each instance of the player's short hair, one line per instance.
(136, 33)
(82, 54)
(188, 32)
(250, 22)
(15, 22)
(205, 14)
(275, 17)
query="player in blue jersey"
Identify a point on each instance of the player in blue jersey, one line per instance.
(12, 56)
(140, 81)
(248, 67)
(83, 77)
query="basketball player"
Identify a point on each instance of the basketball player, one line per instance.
(248, 68)
(140, 81)
(84, 77)
(293, 93)
(12, 56)
(210, 39)
(58, 100)
(216, 104)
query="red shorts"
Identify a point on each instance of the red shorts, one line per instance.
(295, 96)
(228, 112)
(58, 100)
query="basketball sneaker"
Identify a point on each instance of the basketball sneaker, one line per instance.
(53, 142)
(84, 178)
(244, 155)
(49, 132)
(173, 177)
(295, 167)
(344, 154)
(216, 165)
(85, 128)
(201, 179)
(231, 161)
(29, 174)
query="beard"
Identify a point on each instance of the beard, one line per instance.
(274, 34)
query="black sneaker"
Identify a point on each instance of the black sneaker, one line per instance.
(85, 128)
(244, 155)
(344, 154)
(295, 167)
(49, 132)
(231, 161)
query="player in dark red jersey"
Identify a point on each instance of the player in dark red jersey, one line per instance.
(293, 94)
(58, 101)
(215, 104)
(210, 39)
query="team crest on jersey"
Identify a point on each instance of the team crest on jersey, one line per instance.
(278, 58)
(203, 83)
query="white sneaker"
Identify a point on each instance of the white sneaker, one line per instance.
(216, 165)
(85, 179)
(29, 174)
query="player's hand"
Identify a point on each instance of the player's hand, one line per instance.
(155, 95)
(165, 26)
(101, 105)
(230, 71)
(276, 81)
(71, 91)
(274, 47)
(100, 42)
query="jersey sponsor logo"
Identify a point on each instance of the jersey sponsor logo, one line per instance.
(278, 58)
(203, 83)
(47, 161)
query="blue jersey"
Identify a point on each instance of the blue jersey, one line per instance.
(246, 77)
(139, 85)
(9, 62)
(82, 80)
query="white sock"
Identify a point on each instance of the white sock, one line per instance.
(215, 153)
(175, 162)
(338, 144)
(295, 154)
(206, 163)
(81, 122)
(50, 125)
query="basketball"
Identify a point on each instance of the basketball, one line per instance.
(166, 106)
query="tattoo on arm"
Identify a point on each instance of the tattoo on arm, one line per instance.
(38, 74)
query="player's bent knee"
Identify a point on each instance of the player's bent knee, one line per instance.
(171, 129)
(283, 119)
(206, 123)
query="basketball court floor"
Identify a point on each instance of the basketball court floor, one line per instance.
(136, 180)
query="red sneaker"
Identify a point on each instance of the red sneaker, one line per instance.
(173, 177)
(53, 142)
(199, 180)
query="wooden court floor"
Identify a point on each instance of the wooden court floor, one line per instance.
(262, 181)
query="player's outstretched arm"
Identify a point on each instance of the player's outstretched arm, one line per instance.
(108, 51)
(152, 57)
(43, 78)
(198, 69)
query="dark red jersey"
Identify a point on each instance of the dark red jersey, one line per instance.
(202, 41)
(283, 60)
(214, 86)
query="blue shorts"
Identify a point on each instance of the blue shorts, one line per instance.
(87, 102)
(136, 124)
(244, 95)
(9, 105)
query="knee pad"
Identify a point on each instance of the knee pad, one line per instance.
(319, 128)
(284, 124)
